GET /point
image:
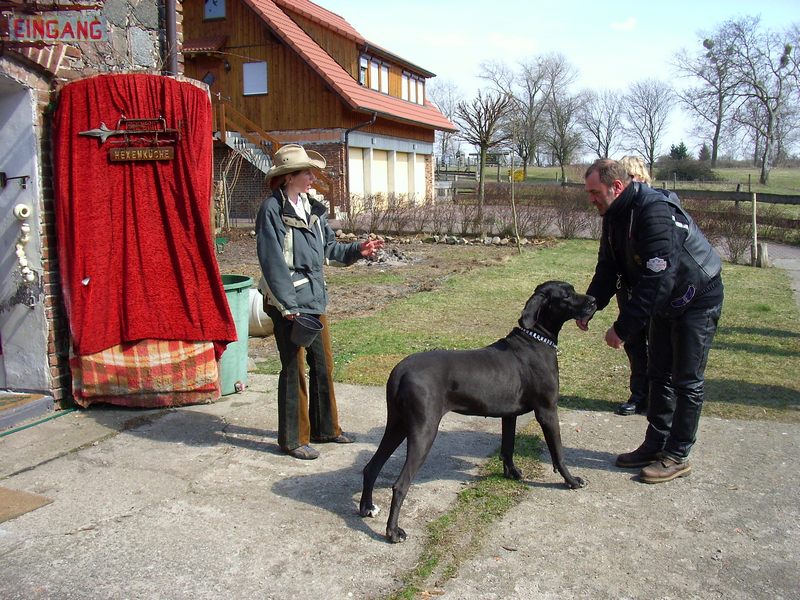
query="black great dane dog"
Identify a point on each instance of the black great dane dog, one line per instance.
(513, 376)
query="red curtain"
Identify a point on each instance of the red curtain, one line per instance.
(134, 239)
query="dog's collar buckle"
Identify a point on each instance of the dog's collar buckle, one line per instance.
(539, 337)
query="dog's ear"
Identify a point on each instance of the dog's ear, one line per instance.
(530, 314)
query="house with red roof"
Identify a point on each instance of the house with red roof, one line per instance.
(291, 71)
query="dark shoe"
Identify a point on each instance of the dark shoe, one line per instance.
(339, 439)
(641, 457)
(664, 470)
(641, 408)
(628, 408)
(303, 453)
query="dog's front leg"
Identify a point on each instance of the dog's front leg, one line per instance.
(548, 420)
(507, 448)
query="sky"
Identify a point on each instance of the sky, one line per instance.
(612, 43)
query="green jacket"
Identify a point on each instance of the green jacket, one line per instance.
(292, 254)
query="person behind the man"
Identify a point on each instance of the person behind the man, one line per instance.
(675, 280)
(636, 346)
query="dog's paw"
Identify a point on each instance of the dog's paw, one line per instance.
(577, 483)
(395, 535)
(512, 473)
(371, 510)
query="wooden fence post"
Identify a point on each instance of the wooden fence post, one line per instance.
(754, 247)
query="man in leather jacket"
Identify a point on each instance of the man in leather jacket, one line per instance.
(674, 276)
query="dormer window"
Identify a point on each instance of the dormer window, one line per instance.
(373, 74)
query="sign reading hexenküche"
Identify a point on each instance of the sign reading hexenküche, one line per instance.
(68, 26)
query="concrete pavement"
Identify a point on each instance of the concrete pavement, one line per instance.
(198, 503)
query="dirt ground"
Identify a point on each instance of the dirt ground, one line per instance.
(417, 266)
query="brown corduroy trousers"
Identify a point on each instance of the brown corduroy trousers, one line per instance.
(305, 412)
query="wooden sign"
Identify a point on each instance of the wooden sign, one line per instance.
(52, 27)
(129, 153)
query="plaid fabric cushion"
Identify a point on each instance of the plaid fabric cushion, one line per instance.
(147, 373)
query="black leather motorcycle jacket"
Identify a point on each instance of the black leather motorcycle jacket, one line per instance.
(653, 247)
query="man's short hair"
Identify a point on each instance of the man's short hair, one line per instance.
(608, 170)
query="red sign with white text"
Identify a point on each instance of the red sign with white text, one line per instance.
(72, 26)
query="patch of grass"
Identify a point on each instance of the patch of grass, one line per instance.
(456, 535)
(470, 310)
(781, 180)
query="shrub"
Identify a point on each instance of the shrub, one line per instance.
(684, 170)
(535, 221)
(571, 212)
(735, 228)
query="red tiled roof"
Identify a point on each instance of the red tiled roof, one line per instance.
(211, 43)
(356, 96)
(322, 16)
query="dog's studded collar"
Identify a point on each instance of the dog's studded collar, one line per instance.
(539, 337)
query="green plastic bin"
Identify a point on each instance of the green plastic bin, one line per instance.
(233, 362)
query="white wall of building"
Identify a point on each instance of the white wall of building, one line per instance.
(387, 166)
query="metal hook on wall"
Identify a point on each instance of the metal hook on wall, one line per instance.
(4, 179)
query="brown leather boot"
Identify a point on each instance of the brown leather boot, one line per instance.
(664, 470)
(640, 457)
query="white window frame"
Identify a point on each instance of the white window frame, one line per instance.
(385, 79)
(404, 86)
(254, 78)
(374, 78)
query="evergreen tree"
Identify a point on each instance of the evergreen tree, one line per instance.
(679, 152)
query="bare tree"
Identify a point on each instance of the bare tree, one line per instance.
(531, 85)
(446, 95)
(711, 101)
(564, 136)
(480, 122)
(765, 75)
(646, 109)
(787, 132)
(746, 125)
(601, 119)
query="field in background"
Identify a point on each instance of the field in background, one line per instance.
(781, 180)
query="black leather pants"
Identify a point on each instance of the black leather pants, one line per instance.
(636, 350)
(678, 348)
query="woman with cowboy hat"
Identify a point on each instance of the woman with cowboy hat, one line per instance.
(294, 240)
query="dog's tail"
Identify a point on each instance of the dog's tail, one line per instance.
(393, 385)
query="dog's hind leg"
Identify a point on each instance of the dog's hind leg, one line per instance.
(510, 470)
(418, 447)
(393, 436)
(548, 419)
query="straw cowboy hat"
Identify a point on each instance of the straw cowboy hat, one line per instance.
(293, 157)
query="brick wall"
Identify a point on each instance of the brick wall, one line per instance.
(246, 185)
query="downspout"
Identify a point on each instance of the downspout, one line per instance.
(171, 51)
(347, 149)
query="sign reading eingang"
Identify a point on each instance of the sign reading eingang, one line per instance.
(52, 27)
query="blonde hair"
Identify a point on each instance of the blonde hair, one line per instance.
(636, 168)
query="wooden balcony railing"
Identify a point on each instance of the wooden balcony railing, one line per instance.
(228, 119)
